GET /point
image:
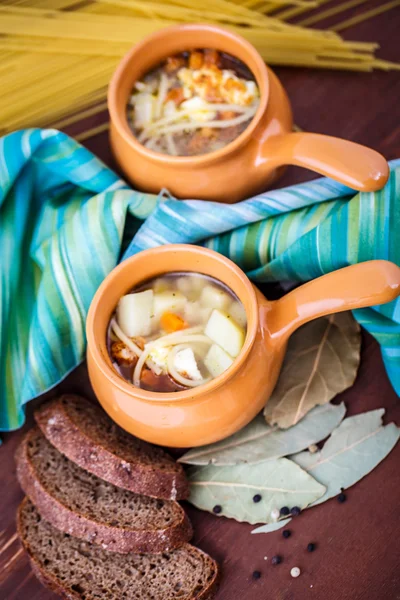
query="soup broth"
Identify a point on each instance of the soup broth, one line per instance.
(193, 103)
(176, 332)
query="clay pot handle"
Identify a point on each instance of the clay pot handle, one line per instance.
(365, 284)
(352, 164)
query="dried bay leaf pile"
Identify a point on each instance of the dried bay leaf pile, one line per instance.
(321, 361)
(270, 458)
(279, 482)
(356, 447)
(353, 450)
(259, 441)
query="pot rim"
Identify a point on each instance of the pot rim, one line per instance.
(253, 61)
(98, 349)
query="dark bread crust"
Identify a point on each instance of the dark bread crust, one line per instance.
(116, 539)
(209, 592)
(71, 439)
(57, 586)
(45, 578)
(49, 582)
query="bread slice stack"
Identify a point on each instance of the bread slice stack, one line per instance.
(101, 518)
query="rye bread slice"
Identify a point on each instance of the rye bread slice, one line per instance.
(78, 570)
(86, 435)
(81, 504)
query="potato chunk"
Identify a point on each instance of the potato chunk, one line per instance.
(217, 360)
(191, 285)
(225, 332)
(134, 313)
(169, 301)
(237, 311)
(195, 313)
(213, 297)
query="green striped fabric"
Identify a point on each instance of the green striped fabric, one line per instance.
(66, 220)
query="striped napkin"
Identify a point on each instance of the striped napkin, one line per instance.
(66, 220)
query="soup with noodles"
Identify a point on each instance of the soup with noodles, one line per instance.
(193, 103)
(176, 332)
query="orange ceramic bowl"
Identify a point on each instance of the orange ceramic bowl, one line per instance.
(249, 164)
(224, 405)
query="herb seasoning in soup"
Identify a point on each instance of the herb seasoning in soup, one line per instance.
(193, 103)
(176, 332)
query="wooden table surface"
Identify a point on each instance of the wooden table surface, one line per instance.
(358, 549)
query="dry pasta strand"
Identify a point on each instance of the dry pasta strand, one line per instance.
(84, 114)
(369, 14)
(289, 13)
(85, 135)
(62, 53)
(330, 12)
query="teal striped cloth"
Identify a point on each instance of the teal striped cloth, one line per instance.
(66, 220)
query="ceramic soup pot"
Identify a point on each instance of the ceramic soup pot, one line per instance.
(227, 403)
(250, 163)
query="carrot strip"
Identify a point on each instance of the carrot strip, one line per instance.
(171, 322)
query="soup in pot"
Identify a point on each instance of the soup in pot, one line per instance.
(193, 103)
(176, 332)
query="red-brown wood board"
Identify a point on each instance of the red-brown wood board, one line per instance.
(357, 543)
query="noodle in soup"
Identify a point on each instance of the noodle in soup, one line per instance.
(193, 103)
(176, 332)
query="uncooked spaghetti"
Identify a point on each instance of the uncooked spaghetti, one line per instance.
(57, 56)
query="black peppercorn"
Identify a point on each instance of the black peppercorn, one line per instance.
(296, 510)
(284, 511)
(257, 498)
(256, 574)
(275, 560)
(286, 533)
(341, 498)
(310, 547)
(217, 509)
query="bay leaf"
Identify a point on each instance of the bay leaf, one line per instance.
(258, 441)
(321, 361)
(354, 449)
(280, 483)
(270, 527)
